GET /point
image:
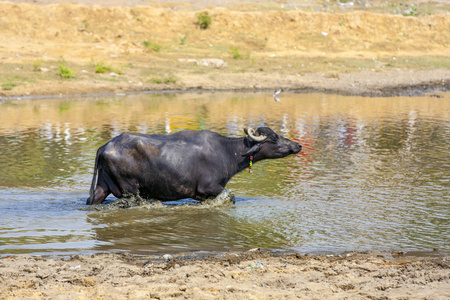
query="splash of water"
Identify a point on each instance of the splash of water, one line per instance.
(225, 199)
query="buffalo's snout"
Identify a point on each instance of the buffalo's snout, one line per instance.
(296, 148)
(291, 147)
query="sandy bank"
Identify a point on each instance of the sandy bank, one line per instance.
(117, 49)
(247, 275)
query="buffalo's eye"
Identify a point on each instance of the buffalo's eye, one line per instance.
(273, 138)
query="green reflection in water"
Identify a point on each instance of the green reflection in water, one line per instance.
(186, 227)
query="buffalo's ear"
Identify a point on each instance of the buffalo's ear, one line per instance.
(253, 150)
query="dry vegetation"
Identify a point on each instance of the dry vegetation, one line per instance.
(314, 46)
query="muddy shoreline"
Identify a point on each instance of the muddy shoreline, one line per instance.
(253, 274)
(431, 88)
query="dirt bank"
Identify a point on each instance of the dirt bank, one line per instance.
(249, 275)
(59, 48)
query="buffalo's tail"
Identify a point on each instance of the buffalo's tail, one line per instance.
(90, 200)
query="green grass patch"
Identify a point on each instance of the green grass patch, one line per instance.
(152, 46)
(235, 52)
(183, 39)
(101, 67)
(8, 86)
(65, 72)
(204, 20)
(171, 79)
(37, 65)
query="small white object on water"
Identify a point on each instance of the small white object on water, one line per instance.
(275, 95)
(167, 257)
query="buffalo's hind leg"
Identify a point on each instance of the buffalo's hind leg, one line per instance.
(100, 194)
(104, 187)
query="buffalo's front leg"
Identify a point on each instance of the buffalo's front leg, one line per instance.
(208, 190)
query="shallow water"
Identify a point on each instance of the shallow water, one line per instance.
(374, 174)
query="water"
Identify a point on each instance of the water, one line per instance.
(373, 175)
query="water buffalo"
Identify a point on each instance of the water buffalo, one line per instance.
(186, 164)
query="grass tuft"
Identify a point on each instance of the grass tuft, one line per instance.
(152, 46)
(204, 20)
(235, 52)
(37, 65)
(101, 67)
(65, 72)
(8, 86)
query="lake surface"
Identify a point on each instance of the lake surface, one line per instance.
(374, 174)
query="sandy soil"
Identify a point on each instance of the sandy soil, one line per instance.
(263, 45)
(245, 275)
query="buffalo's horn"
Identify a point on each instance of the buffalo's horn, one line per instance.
(251, 133)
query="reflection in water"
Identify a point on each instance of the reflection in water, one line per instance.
(373, 174)
(182, 228)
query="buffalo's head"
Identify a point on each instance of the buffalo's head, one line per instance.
(265, 143)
